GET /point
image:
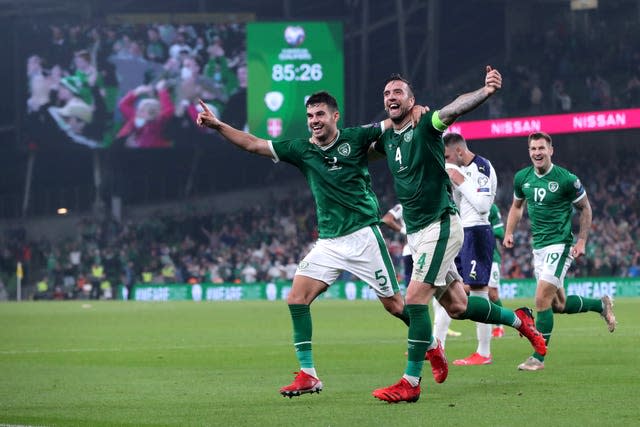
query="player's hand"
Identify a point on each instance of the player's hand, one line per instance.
(579, 249)
(507, 242)
(206, 117)
(417, 111)
(492, 81)
(455, 173)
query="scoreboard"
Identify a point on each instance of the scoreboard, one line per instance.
(287, 62)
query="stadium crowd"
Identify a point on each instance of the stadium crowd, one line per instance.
(263, 242)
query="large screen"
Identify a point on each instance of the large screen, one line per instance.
(287, 62)
(133, 81)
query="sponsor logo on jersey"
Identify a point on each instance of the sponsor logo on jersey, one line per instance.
(332, 162)
(408, 136)
(274, 127)
(274, 100)
(553, 186)
(344, 149)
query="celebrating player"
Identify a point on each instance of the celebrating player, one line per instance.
(334, 162)
(551, 193)
(415, 157)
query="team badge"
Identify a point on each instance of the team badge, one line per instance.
(408, 136)
(577, 184)
(274, 100)
(553, 186)
(344, 149)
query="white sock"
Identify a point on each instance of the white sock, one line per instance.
(441, 322)
(310, 371)
(483, 330)
(414, 381)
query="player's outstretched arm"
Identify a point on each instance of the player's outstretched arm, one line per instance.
(468, 101)
(515, 214)
(584, 207)
(243, 140)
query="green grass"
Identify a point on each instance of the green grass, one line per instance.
(200, 364)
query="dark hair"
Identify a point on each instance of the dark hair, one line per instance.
(453, 138)
(540, 135)
(322, 97)
(397, 77)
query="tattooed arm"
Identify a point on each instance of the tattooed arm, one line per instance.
(468, 101)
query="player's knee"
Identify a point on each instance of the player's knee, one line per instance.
(558, 307)
(456, 309)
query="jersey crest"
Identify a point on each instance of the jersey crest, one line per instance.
(553, 186)
(408, 136)
(344, 149)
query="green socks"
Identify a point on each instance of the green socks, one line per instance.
(419, 337)
(576, 304)
(302, 329)
(544, 325)
(484, 311)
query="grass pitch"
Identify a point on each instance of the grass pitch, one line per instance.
(221, 364)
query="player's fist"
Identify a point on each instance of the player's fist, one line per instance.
(493, 80)
(206, 117)
(507, 242)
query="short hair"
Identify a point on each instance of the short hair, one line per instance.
(398, 77)
(453, 138)
(540, 135)
(322, 97)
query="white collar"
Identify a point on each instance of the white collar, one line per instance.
(544, 174)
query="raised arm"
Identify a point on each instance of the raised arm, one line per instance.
(584, 207)
(243, 140)
(515, 214)
(468, 101)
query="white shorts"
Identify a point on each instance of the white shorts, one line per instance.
(494, 277)
(551, 263)
(434, 249)
(362, 253)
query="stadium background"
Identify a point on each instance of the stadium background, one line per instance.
(209, 211)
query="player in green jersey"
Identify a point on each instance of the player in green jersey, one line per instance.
(415, 156)
(335, 164)
(551, 193)
(494, 279)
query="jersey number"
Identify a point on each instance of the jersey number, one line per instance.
(381, 278)
(552, 258)
(472, 273)
(421, 261)
(398, 155)
(538, 194)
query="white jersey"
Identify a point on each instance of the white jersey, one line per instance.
(396, 213)
(475, 195)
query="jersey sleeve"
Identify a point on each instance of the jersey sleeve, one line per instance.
(479, 190)
(575, 188)
(432, 123)
(496, 222)
(288, 150)
(517, 187)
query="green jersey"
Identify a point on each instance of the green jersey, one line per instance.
(338, 177)
(416, 159)
(498, 230)
(549, 200)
